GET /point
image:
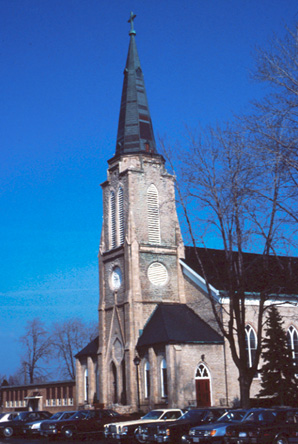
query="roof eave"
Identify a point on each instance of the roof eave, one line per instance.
(199, 281)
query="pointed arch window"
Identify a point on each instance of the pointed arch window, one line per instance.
(112, 220)
(164, 378)
(202, 372)
(86, 385)
(292, 337)
(153, 215)
(120, 216)
(251, 344)
(147, 379)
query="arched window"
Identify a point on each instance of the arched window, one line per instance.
(251, 344)
(202, 372)
(164, 378)
(292, 337)
(147, 379)
(120, 217)
(153, 215)
(112, 220)
(86, 385)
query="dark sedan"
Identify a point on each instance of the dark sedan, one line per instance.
(15, 427)
(172, 433)
(263, 426)
(33, 428)
(82, 422)
(213, 433)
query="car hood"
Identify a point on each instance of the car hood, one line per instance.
(214, 425)
(135, 421)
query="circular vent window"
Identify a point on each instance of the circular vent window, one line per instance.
(157, 274)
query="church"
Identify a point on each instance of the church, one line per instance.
(159, 343)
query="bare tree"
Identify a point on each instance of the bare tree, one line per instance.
(226, 193)
(67, 339)
(37, 351)
(274, 124)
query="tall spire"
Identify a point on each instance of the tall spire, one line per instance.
(135, 131)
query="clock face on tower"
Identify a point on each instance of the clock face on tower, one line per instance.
(116, 278)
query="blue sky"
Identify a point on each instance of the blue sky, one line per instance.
(61, 74)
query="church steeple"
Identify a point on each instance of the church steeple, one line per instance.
(135, 131)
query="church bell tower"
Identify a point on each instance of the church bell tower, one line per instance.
(141, 242)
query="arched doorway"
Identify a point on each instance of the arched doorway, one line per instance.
(203, 393)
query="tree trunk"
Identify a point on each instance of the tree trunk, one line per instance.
(244, 383)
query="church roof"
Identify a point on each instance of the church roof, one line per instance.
(135, 131)
(89, 350)
(177, 324)
(282, 275)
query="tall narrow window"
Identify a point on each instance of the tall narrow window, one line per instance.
(86, 385)
(120, 217)
(147, 379)
(292, 337)
(153, 215)
(112, 220)
(164, 379)
(251, 344)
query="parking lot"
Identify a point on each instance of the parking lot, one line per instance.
(91, 439)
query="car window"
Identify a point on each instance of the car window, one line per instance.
(79, 415)
(20, 416)
(193, 415)
(232, 416)
(154, 414)
(171, 415)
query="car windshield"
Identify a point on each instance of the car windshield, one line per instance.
(55, 416)
(193, 415)
(154, 414)
(66, 415)
(260, 416)
(233, 415)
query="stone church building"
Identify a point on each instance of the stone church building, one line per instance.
(158, 344)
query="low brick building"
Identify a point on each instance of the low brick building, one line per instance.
(51, 396)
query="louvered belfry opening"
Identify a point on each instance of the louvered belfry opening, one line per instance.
(112, 220)
(153, 215)
(120, 216)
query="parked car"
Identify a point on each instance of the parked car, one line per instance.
(146, 432)
(263, 426)
(82, 422)
(33, 428)
(172, 433)
(214, 433)
(125, 430)
(15, 426)
(7, 416)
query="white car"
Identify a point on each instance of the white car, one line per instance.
(124, 431)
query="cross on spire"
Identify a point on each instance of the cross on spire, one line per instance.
(131, 19)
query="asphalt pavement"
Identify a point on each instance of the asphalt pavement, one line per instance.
(87, 440)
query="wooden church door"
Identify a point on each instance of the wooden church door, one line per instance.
(203, 395)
